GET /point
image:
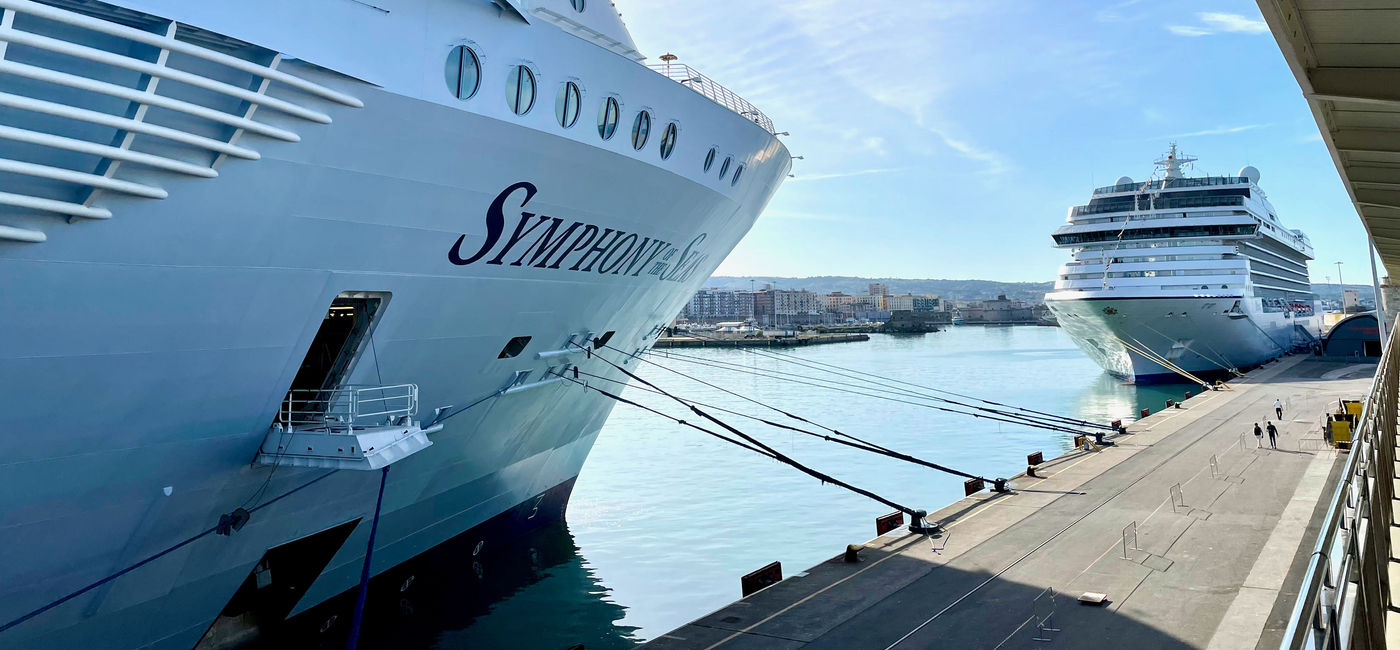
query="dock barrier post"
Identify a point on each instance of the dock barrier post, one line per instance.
(1044, 624)
(1177, 499)
(1214, 467)
(1131, 527)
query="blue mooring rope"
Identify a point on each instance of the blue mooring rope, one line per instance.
(364, 573)
(157, 556)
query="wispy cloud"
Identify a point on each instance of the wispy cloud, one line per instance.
(1214, 22)
(858, 172)
(1220, 130)
(1114, 13)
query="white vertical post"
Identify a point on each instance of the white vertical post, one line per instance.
(1376, 286)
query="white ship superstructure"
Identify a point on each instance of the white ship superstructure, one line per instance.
(1179, 276)
(251, 249)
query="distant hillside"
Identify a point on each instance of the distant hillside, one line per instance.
(1334, 291)
(952, 289)
(948, 289)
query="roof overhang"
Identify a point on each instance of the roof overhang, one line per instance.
(1346, 57)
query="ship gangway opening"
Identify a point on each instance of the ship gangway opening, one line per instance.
(324, 421)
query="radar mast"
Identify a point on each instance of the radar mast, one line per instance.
(1173, 161)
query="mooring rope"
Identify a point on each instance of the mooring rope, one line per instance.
(770, 452)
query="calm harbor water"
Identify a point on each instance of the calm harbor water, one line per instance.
(665, 519)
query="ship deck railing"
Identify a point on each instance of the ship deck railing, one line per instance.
(694, 80)
(348, 406)
(1343, 599)
(1172, 183)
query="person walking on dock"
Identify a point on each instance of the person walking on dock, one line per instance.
(1258, 436)
(1273, 435)
(1278, 408)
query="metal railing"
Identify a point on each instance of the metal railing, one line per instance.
(348, 405)
(692, 79)
(1343, 600)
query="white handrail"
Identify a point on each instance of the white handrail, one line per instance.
(140, 97)
(50, 205)
(22, 234)
(126, 124)
(91, 180)
(175, 45)
(107, 151)
(145, 67)
(694, 80)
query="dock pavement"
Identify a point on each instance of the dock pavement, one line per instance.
(1195, 534)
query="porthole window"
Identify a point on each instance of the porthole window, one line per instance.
(520, 90)
(710, 159)
(578, 5)
(607, 118)
(566, 105)
(641, 128)
(463, 72)
(724, 167)
(737, 171)
(668, 141)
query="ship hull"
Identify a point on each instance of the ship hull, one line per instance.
(1203, 336)
(143, 357)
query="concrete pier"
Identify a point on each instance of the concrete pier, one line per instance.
(1196, 533)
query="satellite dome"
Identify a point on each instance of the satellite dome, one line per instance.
(1124, 180)
(1249, 171)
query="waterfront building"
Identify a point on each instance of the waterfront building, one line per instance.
(713, 305)
(839, 303)
(903, 302)
(869, 302)
(928, 303)
(877, 289)
(999, 310)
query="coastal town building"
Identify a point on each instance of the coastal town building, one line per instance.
(715, 305)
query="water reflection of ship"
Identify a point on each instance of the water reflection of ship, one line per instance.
(536, 592)
(1109, 398)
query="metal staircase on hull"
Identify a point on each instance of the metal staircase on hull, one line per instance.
(155, 94)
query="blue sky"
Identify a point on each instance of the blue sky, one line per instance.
(945, 139)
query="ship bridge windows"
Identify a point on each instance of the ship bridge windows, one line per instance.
(641, 128)
(566, 105)
(607, 118)
(463, 72)
(520, 89)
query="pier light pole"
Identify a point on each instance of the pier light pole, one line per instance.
(1339, 274)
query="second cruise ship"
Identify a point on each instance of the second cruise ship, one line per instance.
(1183, 277)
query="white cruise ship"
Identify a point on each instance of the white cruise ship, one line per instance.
(252, 251)
(1178, 278)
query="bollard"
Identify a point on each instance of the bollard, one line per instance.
(999, 485)
(852, 551)
(1188, 395)
(1030, 471)
(1144, 413)
(1170, 403)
